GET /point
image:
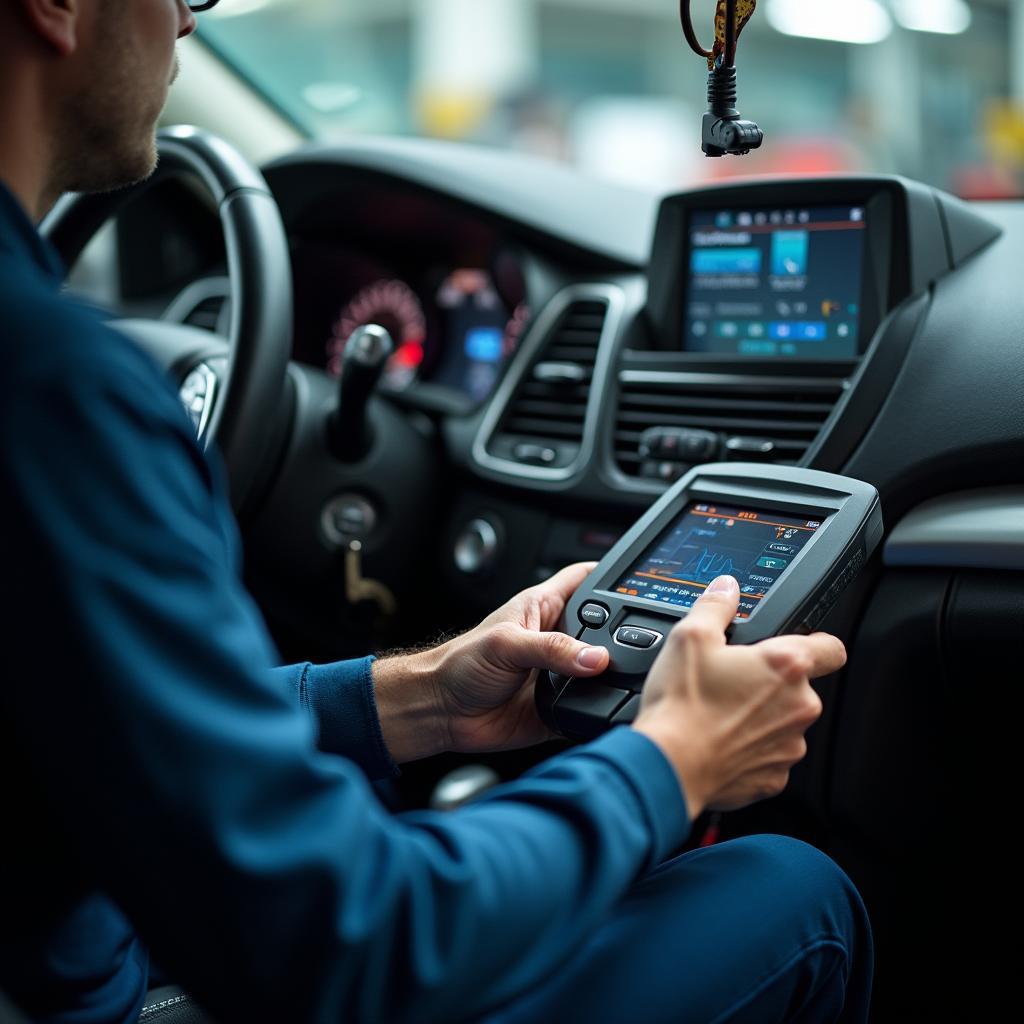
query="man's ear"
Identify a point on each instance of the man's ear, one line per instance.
(55, 22)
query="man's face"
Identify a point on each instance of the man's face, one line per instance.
(123, 67)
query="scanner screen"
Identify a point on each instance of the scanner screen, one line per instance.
(707, 540)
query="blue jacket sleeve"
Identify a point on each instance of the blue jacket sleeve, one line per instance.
(262, 871)
(341, 701)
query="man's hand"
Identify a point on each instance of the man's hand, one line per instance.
(732, 719)
(475, 693)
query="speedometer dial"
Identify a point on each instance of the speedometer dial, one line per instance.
(394, 306)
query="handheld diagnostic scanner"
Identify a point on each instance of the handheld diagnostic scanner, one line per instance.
(793, 538)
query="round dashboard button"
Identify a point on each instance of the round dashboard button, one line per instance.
(476, 547)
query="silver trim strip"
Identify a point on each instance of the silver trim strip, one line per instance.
(732, 380)
(981, 529)
(539, 335)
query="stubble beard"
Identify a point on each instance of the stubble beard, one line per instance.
(107, 132)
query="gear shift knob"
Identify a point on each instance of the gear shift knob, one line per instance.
(366, 354)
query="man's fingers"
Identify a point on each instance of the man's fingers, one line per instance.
(828, 654)
(566, 581)
(805, 657)
(554, 593)
(557, 652)
(712, 612)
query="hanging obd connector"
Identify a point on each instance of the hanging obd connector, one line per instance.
(723, 131)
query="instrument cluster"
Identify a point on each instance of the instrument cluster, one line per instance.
(454, 327)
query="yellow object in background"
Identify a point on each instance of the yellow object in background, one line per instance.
(1004, 131)
(450, 114)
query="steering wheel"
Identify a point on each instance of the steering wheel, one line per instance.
(233, 389)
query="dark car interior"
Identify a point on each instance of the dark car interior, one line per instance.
(545, 347)
(553, 353)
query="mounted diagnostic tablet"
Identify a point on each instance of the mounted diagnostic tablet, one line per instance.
(792, 538)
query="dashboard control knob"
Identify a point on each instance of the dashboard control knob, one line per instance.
(535, 454)
(669, 472)
(749, 448)
(476, 547)
(679, 444)
(346, 518)
(367, 352)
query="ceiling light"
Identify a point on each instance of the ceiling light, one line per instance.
(950, 17)
(851, 21)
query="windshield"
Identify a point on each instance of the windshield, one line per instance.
(926, 88)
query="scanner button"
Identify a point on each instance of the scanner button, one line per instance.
(593, 615)
(634, 636)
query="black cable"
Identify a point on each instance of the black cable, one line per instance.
(730, 32)
(723, 130)
(691, 36)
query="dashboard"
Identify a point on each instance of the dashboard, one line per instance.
(566, 349)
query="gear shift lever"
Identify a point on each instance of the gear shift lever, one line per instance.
(366, 354)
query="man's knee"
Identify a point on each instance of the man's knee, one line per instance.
(806, 892)
(797, 867)
(795, 921)
(781, 876)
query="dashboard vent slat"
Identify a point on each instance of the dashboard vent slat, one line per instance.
(549, 406)
(205, 304)
(206, 315)
(789, 417)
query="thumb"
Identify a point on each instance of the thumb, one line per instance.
(558, 652)
(715, 609)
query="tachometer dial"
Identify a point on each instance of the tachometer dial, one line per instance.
(393, 305)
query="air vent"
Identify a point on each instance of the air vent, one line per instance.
(543, 423)
(768, 419)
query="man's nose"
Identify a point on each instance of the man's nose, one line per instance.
(186, 20)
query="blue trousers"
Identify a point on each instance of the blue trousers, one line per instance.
(754, 930)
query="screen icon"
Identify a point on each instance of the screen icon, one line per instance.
(789, 253)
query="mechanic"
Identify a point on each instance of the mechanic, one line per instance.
(166, 789)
